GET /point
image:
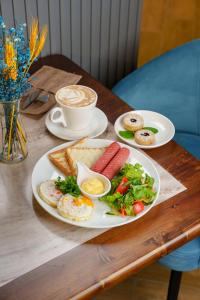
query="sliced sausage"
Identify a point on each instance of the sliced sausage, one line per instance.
(116, 163)
(108, 154)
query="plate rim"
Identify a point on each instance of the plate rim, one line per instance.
(75, 223)
(70, 139)
(145, 146)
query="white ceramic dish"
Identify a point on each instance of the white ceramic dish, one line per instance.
(97, 126)
(165, 128)
(45, 170)
(85, 173)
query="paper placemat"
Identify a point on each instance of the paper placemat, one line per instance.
(45, 83)
(52, 79)
(29, 236)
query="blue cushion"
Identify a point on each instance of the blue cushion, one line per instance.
(170, 85)
(185, 258)
(190, 142)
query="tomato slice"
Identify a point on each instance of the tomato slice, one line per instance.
(138, 206)
(123, 186)
(123, 212)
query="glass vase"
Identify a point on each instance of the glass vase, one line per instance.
(13, 140)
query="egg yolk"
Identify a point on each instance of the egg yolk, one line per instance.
(93, 186)
(82, 200)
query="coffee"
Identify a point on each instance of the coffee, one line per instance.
(76, 96)
(76, 104)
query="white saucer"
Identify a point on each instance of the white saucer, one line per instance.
(165, 128)
(96, 127)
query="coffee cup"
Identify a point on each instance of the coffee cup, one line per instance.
(75, 107)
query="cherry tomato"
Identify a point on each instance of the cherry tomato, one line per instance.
(58, 192)
(123, 186)
(123, 212)
(138, 206)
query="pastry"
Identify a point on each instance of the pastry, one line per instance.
(144, 137)
(77, 209)
(133, 122)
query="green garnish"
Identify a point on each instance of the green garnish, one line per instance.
(152, 129)
(126, 134)
(110, 213)
(68, 186)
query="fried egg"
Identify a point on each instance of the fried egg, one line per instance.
(75, 208)
(49, 193)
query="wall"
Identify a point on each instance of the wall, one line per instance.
(166, 24)
(99, 35)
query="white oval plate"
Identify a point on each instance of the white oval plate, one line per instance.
(96, 127)
(166, 129)
(45, 170)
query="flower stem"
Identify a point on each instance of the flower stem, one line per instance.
(10, 131)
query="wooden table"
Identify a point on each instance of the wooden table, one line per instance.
(120, 252)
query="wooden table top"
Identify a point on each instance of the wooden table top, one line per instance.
(120, 252)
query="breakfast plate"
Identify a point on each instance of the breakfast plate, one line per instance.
(44, 170)
(97, 126)
(164, 127)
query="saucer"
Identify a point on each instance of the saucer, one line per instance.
(97, 126)
(164, 126)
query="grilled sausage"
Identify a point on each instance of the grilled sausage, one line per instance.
(116, 163)
(108, 154)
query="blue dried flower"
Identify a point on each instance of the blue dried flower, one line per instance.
(13, 89)
(12, 30)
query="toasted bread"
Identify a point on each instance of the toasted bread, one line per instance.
(59, 160)
(88, 156)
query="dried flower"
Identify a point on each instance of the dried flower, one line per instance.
(10, 60)
(33, 37)
(16, 57)
(41, 42)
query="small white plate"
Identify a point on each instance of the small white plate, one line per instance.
(166, 129)
(45, 170)
(96, 127)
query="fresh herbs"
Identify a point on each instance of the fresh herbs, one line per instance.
(126, 134)
(68, 186)
(140, 189)
(152, 129)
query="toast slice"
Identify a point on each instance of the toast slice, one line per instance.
(59, 160)
(88, 156)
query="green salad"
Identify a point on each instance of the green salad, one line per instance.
(131, 190)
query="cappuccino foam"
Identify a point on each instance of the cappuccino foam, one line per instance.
(76, 96)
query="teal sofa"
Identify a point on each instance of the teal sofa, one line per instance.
(170, 85)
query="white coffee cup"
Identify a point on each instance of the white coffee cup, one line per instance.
(69, 115)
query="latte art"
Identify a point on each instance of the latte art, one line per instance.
(76, 96)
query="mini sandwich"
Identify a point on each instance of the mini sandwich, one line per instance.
(59, 160)
(86, 155)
